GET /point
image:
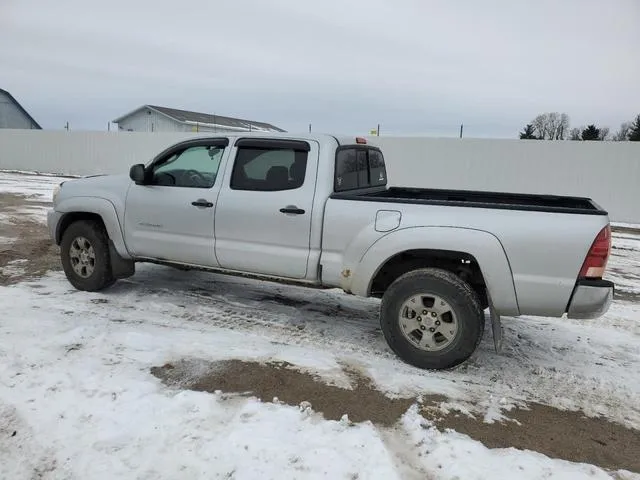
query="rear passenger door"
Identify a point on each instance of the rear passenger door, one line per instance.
(263, 214)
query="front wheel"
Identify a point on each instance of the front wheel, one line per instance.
(84, 251)
(431, 318)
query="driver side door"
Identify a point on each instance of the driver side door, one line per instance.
(170, 216)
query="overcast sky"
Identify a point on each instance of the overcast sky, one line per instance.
(414, 66)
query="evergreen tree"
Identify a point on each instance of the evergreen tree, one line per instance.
(591, 133)
(634, 132)
(528, 133)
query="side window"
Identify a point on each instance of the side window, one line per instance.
(193, 167)
(268, 169)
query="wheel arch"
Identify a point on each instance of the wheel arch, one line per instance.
(462, 264)
(439, 247)
(92, 208)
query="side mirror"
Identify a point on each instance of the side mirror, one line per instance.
(136, 173)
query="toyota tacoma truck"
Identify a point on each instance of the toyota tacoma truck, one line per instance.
(317, 210)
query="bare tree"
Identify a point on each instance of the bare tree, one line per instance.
(604, 133)
(563, 127)
(575, 134)
(622, 134)
(540, 126)
(551, 125)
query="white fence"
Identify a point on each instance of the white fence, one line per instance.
(608, 172)
(79, 153)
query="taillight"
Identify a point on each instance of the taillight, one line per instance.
(596, 261)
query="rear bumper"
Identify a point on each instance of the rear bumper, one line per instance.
(591, 299)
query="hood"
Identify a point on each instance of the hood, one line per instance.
(103, 186)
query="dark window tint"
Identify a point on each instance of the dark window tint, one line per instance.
(363, 171)
(359, 168)
(346, 170)
(264, 169)
(378, 172)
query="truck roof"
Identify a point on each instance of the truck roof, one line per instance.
(322, 138)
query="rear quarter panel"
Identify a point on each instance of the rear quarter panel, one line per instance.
(530, 260)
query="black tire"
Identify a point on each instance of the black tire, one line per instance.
(94, 232)
(461, 298)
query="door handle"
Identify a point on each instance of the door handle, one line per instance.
(292, 209)
(201, 202)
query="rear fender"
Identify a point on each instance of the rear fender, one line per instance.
(483, 246)
(99, 206)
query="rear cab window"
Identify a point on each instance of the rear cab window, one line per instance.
(358, 167)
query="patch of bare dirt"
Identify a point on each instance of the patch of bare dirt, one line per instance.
(555, 433)
(30, 253)
(291, 386)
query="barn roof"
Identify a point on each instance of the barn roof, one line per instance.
(186, 116)
(26, 114)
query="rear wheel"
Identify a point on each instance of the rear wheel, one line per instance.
(431, 318)
(84, 251)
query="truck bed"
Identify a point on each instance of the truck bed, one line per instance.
(477, 199)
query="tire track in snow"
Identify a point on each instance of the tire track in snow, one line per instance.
(322, 321)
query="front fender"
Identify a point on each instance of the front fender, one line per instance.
(99, 206)
(483, 246)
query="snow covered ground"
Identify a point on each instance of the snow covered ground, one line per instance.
(77, 399)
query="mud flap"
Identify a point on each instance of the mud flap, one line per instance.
(496, 326)
(120, 267)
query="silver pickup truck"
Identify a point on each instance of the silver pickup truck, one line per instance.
(316, 210)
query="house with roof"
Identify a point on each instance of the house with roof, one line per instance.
(153, 118)
(13, 115)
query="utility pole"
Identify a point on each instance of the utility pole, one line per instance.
(378, 130)
(108, 126)
(461, 128)
(309, 128)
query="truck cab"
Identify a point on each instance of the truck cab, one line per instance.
(250, 204)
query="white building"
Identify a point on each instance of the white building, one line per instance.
(152, 118)
(12, 115)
